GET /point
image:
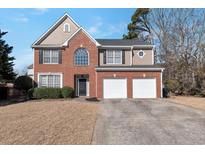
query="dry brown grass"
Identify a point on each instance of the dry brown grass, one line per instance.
(48, 122)
(195, 102)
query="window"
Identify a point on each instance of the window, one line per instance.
(50, 56)
(81, 57)
(66, 27)
(141, 54)
(114, 56)
(50, 80)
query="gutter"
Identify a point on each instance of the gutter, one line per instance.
(125, 46)
(45, 46)
(101, 69)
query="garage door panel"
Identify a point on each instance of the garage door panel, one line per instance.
(115, 88)
(144, 88)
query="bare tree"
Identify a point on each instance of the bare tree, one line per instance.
(180, 38)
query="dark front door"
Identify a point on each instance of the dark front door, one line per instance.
(82, 87)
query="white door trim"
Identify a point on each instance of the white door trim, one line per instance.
(87, 85)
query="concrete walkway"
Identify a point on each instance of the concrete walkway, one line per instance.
(149, 122)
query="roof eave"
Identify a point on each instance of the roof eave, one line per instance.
(81, 28)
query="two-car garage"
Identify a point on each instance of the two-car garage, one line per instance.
(141, 88)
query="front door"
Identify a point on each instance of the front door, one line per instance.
(82, 87)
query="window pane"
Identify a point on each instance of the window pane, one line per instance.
(66, 28)
(110, 60)
(54, 56)
(118, 57)
(117, 60)
(57, 81)
(81, 57)
(46, 53)
(50, 80)
(118, 54)
(43, 80)
(46, 56)
(110, 55)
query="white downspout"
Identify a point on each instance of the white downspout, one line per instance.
(161, 83)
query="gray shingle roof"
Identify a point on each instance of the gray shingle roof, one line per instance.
(30, 66)
(120, 42)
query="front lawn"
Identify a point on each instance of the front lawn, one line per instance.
(195, 102)
(48, 122)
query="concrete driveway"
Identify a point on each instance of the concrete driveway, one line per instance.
(154, 121)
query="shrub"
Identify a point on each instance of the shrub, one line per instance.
(30, 93)
(203, 93)
(67, 92)
(45, 93)
(24, 83)
(172, 85)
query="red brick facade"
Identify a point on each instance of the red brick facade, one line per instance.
(69, 70)
(67, 67)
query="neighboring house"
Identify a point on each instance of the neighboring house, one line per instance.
(30, 71)
(67, 55)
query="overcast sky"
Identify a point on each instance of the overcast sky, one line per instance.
(24, 26)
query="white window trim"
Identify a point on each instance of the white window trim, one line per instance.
(50, 57)
(51, 73)
(114, 62)
(66, 24)
(139, 54)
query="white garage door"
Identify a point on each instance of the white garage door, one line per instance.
(115, 88)
(144, 88)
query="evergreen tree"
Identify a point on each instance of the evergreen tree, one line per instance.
(139, 27)
(6, 62)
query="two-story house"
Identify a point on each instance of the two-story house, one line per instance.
(67, 55)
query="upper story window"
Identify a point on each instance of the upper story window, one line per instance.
(66, 27)
(114, 57)
(141, 53)
(50, 56)
(81, 57)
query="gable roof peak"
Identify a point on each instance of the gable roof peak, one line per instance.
(44, 35)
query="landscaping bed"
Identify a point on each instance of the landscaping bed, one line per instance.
(48, 122)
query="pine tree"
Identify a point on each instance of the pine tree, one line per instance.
(139, 27)
(6, 62)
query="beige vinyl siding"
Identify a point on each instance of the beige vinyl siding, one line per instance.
(58, 36)
(127, 59)
(146, 60)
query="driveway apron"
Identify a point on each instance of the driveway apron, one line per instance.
(148, 121)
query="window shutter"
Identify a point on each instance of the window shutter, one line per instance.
(104, 56)
(123, 56)
(60, 57)
(40, 56)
